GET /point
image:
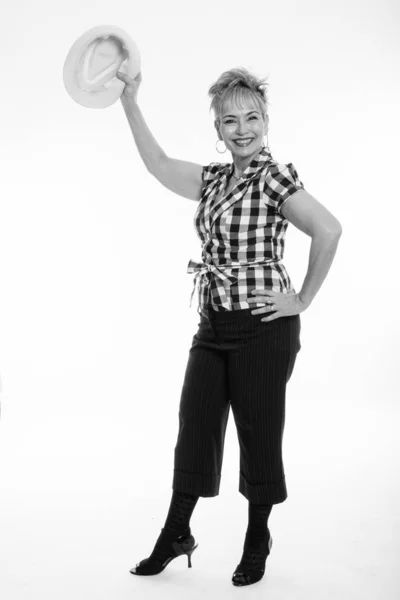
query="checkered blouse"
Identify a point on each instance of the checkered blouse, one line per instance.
(242, 234)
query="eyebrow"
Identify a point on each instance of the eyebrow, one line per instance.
(249, 113)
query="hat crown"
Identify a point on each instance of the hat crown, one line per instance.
(102, 59)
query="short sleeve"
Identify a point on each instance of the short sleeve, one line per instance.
(210, 171)
(281, 182)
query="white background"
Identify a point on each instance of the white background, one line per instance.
(95, 325)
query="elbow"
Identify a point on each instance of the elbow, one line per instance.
(328, 233)
(333, 230)
(336, 232)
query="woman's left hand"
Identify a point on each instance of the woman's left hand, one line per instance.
(284, 304)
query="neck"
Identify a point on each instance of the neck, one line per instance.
(241, 164)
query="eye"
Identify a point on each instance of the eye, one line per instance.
(231, 120)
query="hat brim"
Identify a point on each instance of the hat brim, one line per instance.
(92, 63)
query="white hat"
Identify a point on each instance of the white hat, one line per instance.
(91, 65)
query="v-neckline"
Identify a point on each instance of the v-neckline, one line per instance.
(226, 191)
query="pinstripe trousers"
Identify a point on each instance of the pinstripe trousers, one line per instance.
(236, 360)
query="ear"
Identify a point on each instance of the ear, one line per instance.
(266, 124)
(217, 128)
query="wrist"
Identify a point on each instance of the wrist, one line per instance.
(128, 101)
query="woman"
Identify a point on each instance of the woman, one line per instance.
(244, 351)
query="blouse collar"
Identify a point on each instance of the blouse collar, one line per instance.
(256, 164)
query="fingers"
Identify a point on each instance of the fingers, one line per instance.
(263, 310)
(261, 300)
(271, 318)
(126, 77)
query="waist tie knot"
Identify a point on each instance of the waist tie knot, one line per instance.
(201, 268)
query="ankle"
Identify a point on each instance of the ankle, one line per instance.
(175, 532)
(257, 540)
(180, 512)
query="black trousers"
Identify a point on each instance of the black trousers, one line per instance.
(236, 360)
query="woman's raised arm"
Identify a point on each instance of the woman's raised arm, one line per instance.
(181, 177)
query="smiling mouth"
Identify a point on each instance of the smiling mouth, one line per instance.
(243, 141)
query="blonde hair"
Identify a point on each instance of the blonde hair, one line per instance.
(238, 84)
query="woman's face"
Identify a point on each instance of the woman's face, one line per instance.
(241, 123)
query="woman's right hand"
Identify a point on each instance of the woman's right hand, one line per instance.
(131, 85)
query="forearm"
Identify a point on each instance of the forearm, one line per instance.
(149, 149)
(322, 252)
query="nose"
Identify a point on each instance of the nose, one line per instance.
(241, 128)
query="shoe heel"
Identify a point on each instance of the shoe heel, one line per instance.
(189, 555)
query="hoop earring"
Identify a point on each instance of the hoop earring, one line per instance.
(216, 145)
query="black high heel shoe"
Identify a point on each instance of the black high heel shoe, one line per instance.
(252, 567)
(184, 544)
